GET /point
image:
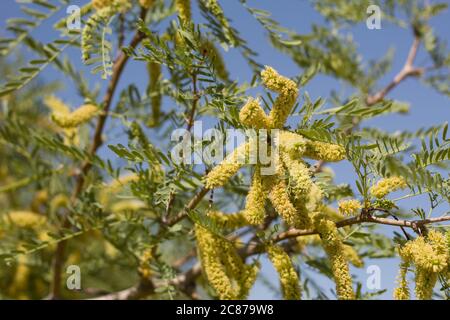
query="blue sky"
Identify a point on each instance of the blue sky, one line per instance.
(427, 106)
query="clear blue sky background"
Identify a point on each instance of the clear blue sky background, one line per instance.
(427, 107)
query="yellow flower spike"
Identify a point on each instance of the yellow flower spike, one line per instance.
(127, 205)
(210, 253)
(76, 118)
(247, 280)
(288, 93)
(254, 211)
(210, 50)
(430, 256)
(402, 290)
(146, 3)
(18, 287)
(154, 71)
(425, 282)
(334, 248)
(349, 207)
(184, 10)
(228, 220)
(386, 186)
(292, 143)
(25, 219)
(290, 284)
(300, 176)
(123, 5)
(252, 115)
(279, 198)
(219, 175)
(352, 256)
(57, 106)
(325, 151)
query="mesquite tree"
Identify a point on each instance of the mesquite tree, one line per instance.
(99, 200)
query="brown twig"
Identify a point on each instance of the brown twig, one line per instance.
(408, 70)
(414, 224)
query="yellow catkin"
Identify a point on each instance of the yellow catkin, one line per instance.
(352, 256)
(401, 292)
(279, 198)
(223, 267)
(333, 246)
(288, 93)
(252, 115)
(227, 168)
(386, 186)
(76, 118)
(292, 143)
(349, 207)
(290, 284)
(299, 174)
(127, 205)
(184, 10)
(248, 280)
(18, 287)
(57, 106)
(430, 256)
(154, 71)
(210, 50)
(254, 211)
(212, 267)
(228, 220)
(325, 151)
(25, 219)
(146, 3)
(122, 5)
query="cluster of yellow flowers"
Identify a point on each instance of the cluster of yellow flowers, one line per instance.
(386, 186)
(144, 264)
(349, 207)
(333, 246)
(228, 220)
(430, 256)
(290, 285)
(65, 119)
(306, 194)
(25, 219)
(121, 5)
(222, 265)
(299, 203)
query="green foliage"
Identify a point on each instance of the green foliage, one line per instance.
(126, 210)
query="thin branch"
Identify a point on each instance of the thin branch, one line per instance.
(408, 70)
(191, 205)
(414, 224)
